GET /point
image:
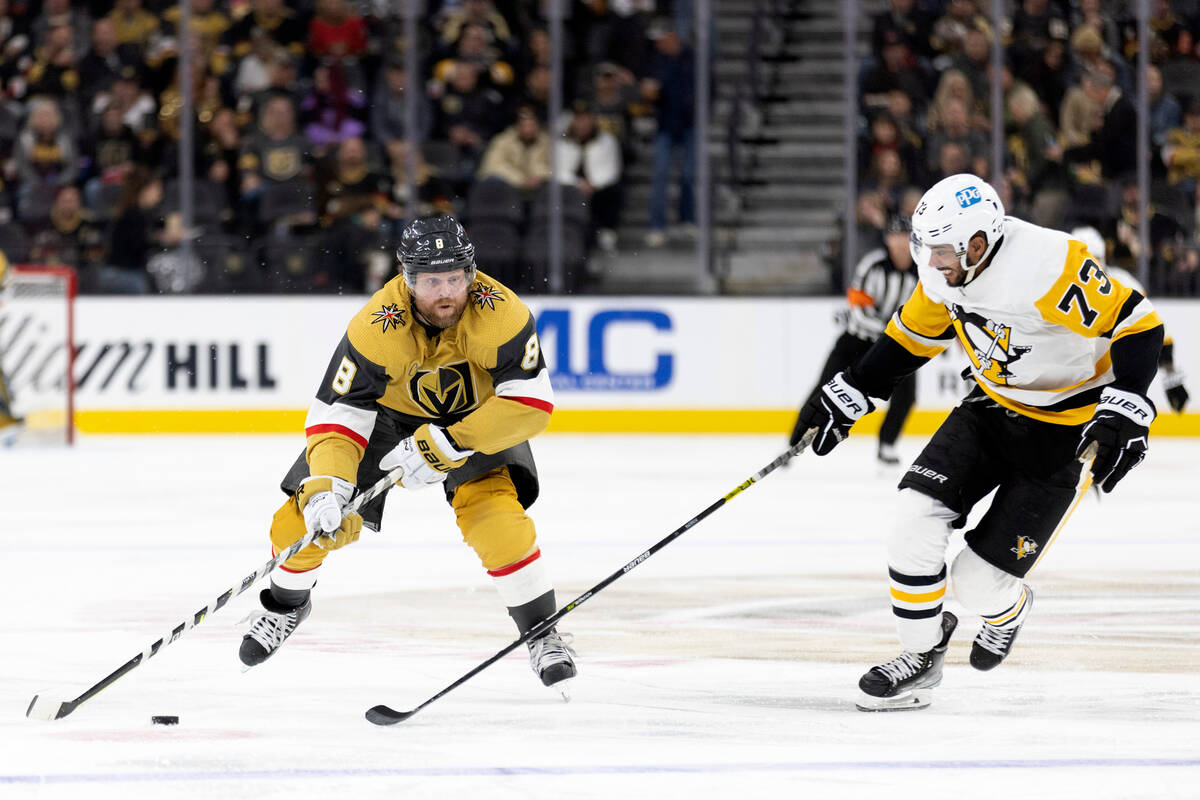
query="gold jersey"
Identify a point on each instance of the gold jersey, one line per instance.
(483, 378)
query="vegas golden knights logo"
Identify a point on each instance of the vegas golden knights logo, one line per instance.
(444, 391)
(990, 344)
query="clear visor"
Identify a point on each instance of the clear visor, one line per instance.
(439, 283)
(935, 256)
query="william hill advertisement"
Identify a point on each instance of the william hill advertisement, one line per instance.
(252, 364)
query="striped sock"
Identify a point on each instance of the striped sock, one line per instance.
(917, 606)
(1014, 615)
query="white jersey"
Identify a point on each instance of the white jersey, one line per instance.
(1124, 277)
(1037, 323)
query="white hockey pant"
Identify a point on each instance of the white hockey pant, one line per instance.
(918, 575)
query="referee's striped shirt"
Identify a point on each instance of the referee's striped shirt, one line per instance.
(878, 289)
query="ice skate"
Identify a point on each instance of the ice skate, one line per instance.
(552, 660)
(907, 681)
(270, 628)
(10, 429)
(993, 644)
(887, 455)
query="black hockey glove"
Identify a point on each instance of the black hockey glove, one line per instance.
(832, 410)
(1177, 393)
(1120, 427)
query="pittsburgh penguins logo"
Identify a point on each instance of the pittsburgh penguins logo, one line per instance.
(1025, 547)
(444, 391)
(989, 344)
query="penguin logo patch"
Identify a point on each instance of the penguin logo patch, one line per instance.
(988, 344)
(1025, 547)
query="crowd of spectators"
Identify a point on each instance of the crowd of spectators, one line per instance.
(307, 157)
(1069, 126)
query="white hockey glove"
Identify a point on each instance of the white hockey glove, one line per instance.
(321, 500)
(1120, 426)
(426, 457)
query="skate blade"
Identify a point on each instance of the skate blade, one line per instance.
(908, 701)
(10, 433)
(562, 689)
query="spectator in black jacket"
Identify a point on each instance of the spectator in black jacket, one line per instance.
(389, 111)
(134, 235)
(1114, 143)
(672, 88)
(912, 25)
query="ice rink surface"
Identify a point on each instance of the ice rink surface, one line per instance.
(724, 667)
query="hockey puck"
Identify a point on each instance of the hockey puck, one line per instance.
(165, 720)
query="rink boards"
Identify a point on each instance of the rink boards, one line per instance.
(628, 364)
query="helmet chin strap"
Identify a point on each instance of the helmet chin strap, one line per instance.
(970, 271)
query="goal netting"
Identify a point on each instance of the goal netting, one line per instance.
(37, 349)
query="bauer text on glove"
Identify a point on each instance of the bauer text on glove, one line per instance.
(832, 410)
(425, 457)
(1120, 427)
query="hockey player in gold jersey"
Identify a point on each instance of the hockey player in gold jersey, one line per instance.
(1062, 356)
(440, 374)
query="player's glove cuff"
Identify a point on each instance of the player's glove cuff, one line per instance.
(343, 490)
(321, 499)
(438, 449)
(1131, 405)
(841, 392)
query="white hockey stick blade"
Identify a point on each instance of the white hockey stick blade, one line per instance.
(46, 709)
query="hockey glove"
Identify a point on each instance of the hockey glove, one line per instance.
(1120, 427)
(1177, 393)
(321, 500)
(832, 410)
(426, 457)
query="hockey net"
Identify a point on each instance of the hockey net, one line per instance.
(37, 352)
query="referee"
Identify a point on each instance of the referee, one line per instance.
(883, 280)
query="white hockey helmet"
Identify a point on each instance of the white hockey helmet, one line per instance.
(1094, 241)
(950, 213)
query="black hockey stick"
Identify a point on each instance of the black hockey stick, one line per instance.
(44, 708)
(383, 715)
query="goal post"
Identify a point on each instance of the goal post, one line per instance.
(37, 350)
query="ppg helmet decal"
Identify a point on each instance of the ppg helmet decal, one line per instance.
(950, 213)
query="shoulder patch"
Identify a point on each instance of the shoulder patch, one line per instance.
(391, 315)
(485, 294)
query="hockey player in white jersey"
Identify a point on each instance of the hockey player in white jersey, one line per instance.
(1171, 378)
(1062, 356)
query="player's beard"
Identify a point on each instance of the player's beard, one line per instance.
(442, 312)
(955, 278)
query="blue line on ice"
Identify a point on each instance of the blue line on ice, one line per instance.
(599, 769)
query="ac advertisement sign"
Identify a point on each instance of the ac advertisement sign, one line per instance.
(666, 354)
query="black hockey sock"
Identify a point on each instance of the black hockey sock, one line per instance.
(527, 615)
(287, 599)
